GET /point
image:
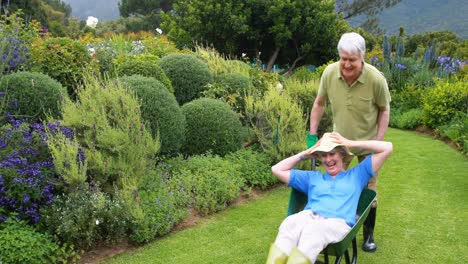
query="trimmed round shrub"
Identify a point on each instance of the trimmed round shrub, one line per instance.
(188, 74)
(160, 109)
(30, 94)
(211, 127)
(235, 86)
(143, 64)
(63, 59)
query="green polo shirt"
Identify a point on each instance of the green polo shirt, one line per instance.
(355, 108)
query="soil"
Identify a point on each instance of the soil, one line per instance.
(102, 252)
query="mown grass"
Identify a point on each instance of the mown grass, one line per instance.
(422, 215)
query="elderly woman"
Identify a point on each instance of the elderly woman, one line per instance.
(332, 196)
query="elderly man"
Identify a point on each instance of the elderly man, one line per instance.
(332, 196)
(360, 104)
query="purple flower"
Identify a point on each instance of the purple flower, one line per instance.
(373, 60)
(400, 66)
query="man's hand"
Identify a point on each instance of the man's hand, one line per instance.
(311, 140)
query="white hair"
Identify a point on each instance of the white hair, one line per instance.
(352, 43)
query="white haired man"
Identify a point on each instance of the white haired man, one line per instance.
(332, 197)
(360, 103)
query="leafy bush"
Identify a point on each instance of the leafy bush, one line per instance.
(444, 102)
(85, 216)
(160, 109)
(63, 59)
(22, 244)
(410, 119)
(278, 122)
(108, 125)
(303, 74)
(14, 54)
(408, 98)
(159, 46)
(33, 95)
(27, 177)
(457, 132)
(210, 182)
(188, 76)
(255, 167)
(219, 64)
(211, 126)
(231, 88)
(143, 64)
(160, 207)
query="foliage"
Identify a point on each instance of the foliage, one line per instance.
(68, 158)
(209, 182)
(211, 126)
(85, 216)
(21, 243)
(143, 64)
(107, 122)
(303, 74)
(445, 101)
(255, 168)
(63, 59)
(140, 7)
(32, 95)
(160, 110)
(160, 206)
(281, 32)
(159, 46)
(221, 64)
(410, 119)
(278, 122)
(188, 74)
(457, 131)
(27, 177)
(370, 8)
(230, 88)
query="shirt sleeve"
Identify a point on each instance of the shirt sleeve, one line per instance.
(299, 180)
(364, 171)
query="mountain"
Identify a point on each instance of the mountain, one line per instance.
(419, 16)
(104, 10)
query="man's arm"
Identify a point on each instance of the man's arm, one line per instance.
(382, 122)
(316, 114)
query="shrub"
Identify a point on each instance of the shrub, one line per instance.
(22, 244)
(143, 64)
(33, 95)
(457, 132)
(303, 74)
(108, 125)
(445, 101)
(159, 46)
(160, 207)
(63, 59)
(27, 177)
(410, 119)
(220, 64)
(14, 54)
(231, 88)
(160, 109)
(255, 168)
(211, 182)
(85, 216)
(211, 126)
(188, 76)
(278, 122)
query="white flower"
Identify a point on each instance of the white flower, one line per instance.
(92, 22)
(97, 222)
(279, 85)
(92, 51)
(244, 54)
(159, 30)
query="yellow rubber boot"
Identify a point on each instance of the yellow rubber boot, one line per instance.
(276, 256)
(296, 257)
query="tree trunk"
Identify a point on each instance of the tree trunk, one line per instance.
(293, 66)
(272, 59)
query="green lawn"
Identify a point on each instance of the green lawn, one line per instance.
(422, 215)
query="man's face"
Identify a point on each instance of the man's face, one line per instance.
(350, 65)
(332, 161)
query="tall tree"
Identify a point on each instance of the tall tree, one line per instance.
(143, 7)
(352, 8)
(275, 31)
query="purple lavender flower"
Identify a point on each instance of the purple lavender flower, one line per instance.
(400, 66)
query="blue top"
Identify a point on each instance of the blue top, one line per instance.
(333, 197)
